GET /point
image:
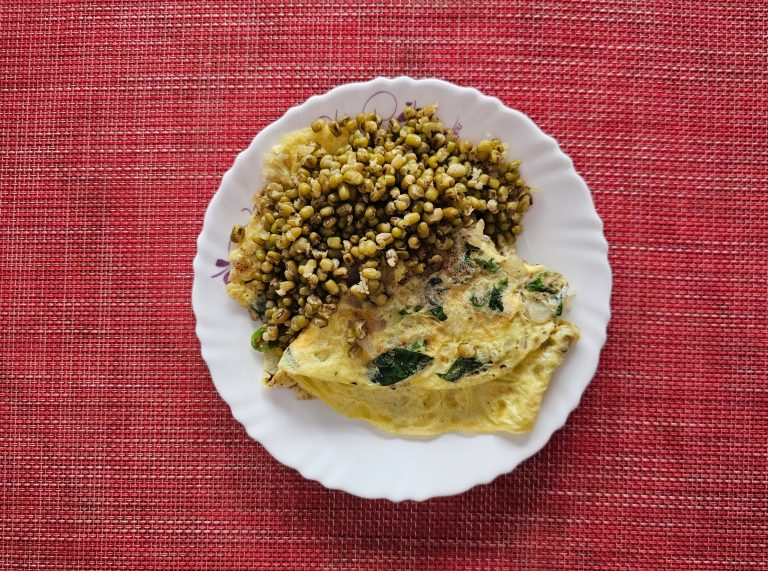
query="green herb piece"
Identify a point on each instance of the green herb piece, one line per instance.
(432, 282)
(469, 249)
(257, 342)
(487, 265)
(417, 345)
(438, 312)
(477, 300)
(260, 305)
(461, 366)
(395, 365)
(560, 299)
(540, 284)
(410, 310)
(495, 302)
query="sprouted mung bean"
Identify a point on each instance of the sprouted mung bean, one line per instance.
(391, 194)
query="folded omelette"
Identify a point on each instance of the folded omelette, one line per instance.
(470, 348)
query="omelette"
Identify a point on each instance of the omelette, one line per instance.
(469, 348)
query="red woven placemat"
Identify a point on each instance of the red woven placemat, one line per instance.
(118, 120)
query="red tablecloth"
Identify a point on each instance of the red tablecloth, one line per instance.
(118, 120)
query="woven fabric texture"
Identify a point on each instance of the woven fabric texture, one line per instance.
(118, 120)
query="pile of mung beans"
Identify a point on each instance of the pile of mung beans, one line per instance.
(396, 191)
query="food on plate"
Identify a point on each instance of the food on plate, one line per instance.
(345, 199)
(380, 259)
(471, 347)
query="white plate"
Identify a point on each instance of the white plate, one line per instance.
(562, 230)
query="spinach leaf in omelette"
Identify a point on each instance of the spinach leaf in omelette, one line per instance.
(488, 265)
(543, 282)
(477, 300)
(395, 365)
(560, 298)
(460, 367)
(495, 302)
(417, 345)
(438, 312)
(410, 310)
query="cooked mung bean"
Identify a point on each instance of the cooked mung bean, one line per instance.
(386, 194)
